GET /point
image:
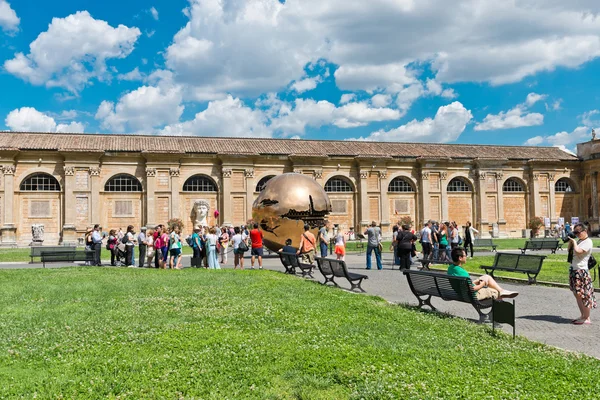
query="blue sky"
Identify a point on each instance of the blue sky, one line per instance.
(390, 70)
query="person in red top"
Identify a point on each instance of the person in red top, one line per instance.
(256, 236)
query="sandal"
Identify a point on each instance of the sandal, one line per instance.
(581, 322)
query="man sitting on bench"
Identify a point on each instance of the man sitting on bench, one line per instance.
(485, 286)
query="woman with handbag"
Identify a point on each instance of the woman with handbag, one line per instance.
(404, 246)
(579, 274)
(239, 247)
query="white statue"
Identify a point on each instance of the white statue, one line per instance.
(37, 233)
(200, 213)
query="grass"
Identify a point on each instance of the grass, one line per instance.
(123, 333)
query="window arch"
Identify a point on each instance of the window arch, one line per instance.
(123, 183)
(263, 182)
(40, 182)
(400, 184)
(563, 185)
(513, 185)
(199, 183)
(338, 185)
(458, 185)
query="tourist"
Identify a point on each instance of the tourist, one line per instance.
(288, 247)
(426, 240)
(404, 247)
(579, 274)
(89, 246)
(175, 248)
(340, 244)
(149, 247)
(485, 286)
(197, 247)
(97, 244)
(141, 239)
(454, 236)
(164, 240)
(394, 248)
(470, 234)
(307, 245)
(224, 243)
(238, 254)
(158, 248)
(324, 238)
(443, 244)
(435, 239)
(111, 245)
(129, 244)
(374, 239)
(256, 237)
(211, 249)
(120, 234)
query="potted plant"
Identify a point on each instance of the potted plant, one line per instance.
(406, 220)
(535, 224)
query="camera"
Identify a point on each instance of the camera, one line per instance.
(570, 235)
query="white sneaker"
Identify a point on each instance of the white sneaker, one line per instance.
(508, 294)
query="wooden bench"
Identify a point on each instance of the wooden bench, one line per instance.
(36, 251)
(339, 269)
(484, 243)
(525, 263)
(428, 284)
(64, 256)
(291, 262)
(426, 262)
(541, 244)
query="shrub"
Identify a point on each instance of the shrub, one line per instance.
(536, 223)
(175, 222)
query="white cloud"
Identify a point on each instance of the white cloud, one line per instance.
(534, 141)
(347, 97)
(515, 118)
(9, 21)
(154, 13)
(306, 84)
(142, 110)
(407, 96)
(28, 119)
(555, 106)
(591, 118)
(448, 124)
(228, 117)
(533, 98)
(564, 140)
(373, 77)
(133, 75)
(381, 100)
(73, 51)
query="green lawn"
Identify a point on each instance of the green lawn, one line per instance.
(123, 333)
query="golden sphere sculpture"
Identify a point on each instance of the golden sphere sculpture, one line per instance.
(286, 203)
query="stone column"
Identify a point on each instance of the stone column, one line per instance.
(535, 194)
(444, 191)
(69, 236)
(594, 195)
(175, 189)
(385, 203)
(364, 201)
(500, 197)
(95, 190)
(150, 198)
(250, 185)
(226, 213)
(424, 199)
(552, 205)
(482, 209)
(9, 229)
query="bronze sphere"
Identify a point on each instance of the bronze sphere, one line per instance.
(286, 203)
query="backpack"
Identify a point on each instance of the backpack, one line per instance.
(189, 241)
(124, 240)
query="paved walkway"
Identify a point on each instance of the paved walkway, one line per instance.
(543, 313)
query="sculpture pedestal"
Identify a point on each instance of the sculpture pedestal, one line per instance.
(69, 235)
(8, 233)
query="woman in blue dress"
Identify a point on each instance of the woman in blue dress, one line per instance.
(211, 247)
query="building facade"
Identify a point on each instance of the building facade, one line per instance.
(68, 182)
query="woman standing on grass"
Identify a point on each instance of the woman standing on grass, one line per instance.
(470, 233)
(112, 246)
(211, 247)
(404, 247)
(164, 240)
(443, 233)
(175, 249)
(579, 274)
(150, 247)
(224, 242)
(238, 255)
(129, 246)
(340, 244)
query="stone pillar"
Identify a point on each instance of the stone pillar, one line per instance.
(424, 198)
(444, 191)
(500, 197)
(364, 201)
(384, 201)
(9, 229)
(175, 189)
(150, 198)
(226, 212)
(95, 190)
(552, 206)
(69, 234)
(594, 195)
(250, 185)
(535, 194)
(482, 209)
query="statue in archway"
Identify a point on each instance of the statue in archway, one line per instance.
(200, 213)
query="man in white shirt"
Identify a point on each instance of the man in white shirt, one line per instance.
(97, 242)
(426, 240)
(142, 246)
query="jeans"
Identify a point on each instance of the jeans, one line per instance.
(323, 246)
(129, 255)
(396, 257)
(97, 250)
(436, 251)
(404, 255)
(377, 257)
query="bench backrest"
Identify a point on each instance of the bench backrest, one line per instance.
(338, 268)
(324, 265)
(291, 259)
(506, 260)
(36, 251)
(519, 262)
(441, 285)
(483, 242)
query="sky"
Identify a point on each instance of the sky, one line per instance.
(509, 72)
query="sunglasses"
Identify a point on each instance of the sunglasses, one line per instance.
(577, 232)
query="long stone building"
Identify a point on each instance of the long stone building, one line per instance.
(68, 182)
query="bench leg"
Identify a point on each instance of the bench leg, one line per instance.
(426, 302)
(329, 280)
(483, 317)
(531, 280)
(357, 286)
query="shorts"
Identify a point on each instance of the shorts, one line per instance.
(340, 249)
(256, 251)
(175, 252)
(487, 293)
(238, 251)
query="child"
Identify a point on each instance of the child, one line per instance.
(340, 244)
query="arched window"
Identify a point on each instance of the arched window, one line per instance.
(123, 183)
(338, 185)
(563, 186)
(261, 184)
(458, 185)
(199, 183)
(400, 184)
(40, 182)
(513, 185)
